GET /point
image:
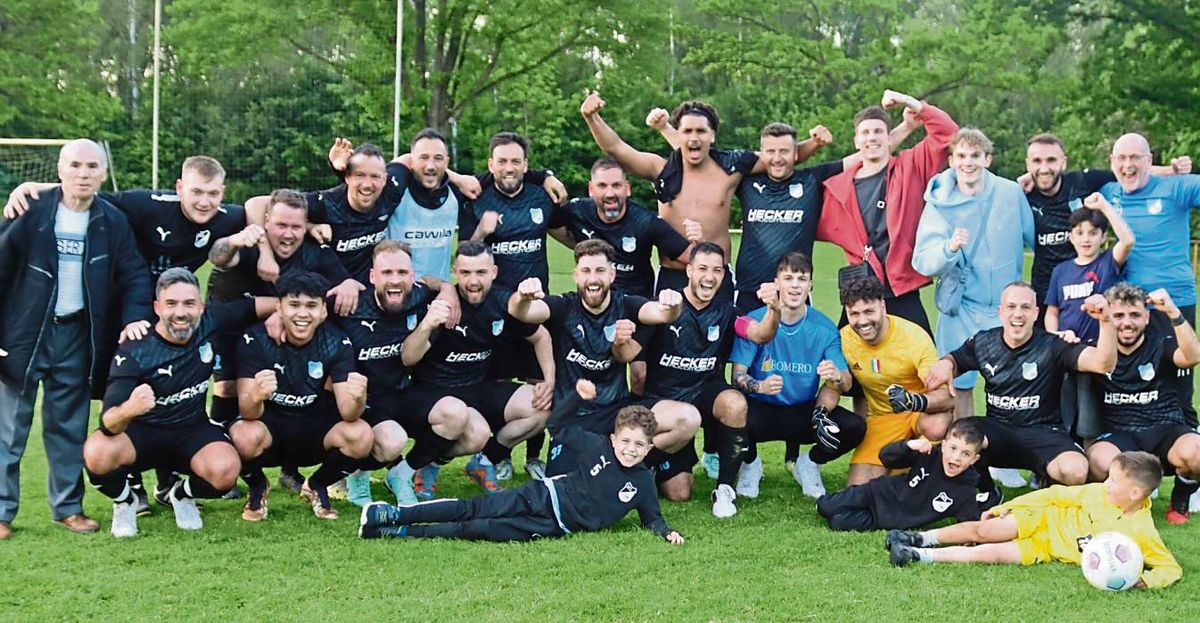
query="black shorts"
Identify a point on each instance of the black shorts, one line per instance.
(488, 398)
(907, 306)
(667, 465)
(707, 398)
(676, 279)
(383, 407)
(171, 447)
(771, 422)
(298, 441)
(1156, 441)
(1024, 447)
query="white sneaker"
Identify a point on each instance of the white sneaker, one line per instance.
(748, 478)
(187, 516)
(124, 518)
(1008, 476)
(808, 474)
(1194, 503)
(504, 470)
(536, 469)
(722, 502)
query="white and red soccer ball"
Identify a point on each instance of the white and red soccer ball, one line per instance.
(1111, 562)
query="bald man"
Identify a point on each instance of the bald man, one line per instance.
(1158, 211)
(62, 264)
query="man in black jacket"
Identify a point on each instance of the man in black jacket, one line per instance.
(59, 263)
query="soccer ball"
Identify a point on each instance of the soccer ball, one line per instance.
(1111, 562)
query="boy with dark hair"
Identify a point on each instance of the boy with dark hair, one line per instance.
(1055, 524)
(595, 494)
(939, 484)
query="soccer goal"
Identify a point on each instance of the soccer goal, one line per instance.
(36, 160)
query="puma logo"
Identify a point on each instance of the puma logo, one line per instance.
(759, 187)
(167, 371)
(587, 232)
(461, 329)
(120, 359)
(990, 368)
(246, 336)
(674, 329)
(162, 233)
(369, 325)
(582, 335)
(278, 367)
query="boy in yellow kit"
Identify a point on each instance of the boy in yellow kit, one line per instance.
(889, 357)
(1055, 524)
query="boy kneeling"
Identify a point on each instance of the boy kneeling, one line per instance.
(593, 496)
(1055, 524)
(939, 484)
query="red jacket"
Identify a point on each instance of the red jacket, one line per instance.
(908, 173)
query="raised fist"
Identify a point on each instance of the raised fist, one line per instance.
(692, 230)
(820, 135)
(531, 289)
(625, 328)
(591, 104)
(265, 384)
(141, 400)
(657, 118)
(356, 384)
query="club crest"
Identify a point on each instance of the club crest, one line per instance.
(315, 369)
(206, 352)
(536, 215)
(796, 191)
(942, 502)
(498, 326)
(714, 333)
(627, 492)
(202, 237)
(1154, 207)
(610, 332)
(1146, 371)
(1029, 370)
(628, 244)
(411, 322)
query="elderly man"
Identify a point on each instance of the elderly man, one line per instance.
(59, 262)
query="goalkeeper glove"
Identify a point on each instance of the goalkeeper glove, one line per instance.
(826, 429)
(904, 401)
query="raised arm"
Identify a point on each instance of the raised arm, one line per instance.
(1125, 237)
(1101, 358)
(1187, 351)
(526, 303)
(420, 340)
(640, 163)
(662, 311)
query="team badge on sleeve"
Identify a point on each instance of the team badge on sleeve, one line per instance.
(628, 244)
(498, 326)
(714, 333)
(1029, 370)
(536, 215)
(610, 332)
(1146, 371)
(316, 369)
(206, 352)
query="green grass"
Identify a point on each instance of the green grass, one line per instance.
(774, 561)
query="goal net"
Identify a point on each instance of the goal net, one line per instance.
(35, 160)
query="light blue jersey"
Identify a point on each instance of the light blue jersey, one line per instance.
(794, 355)
(429, 231)
(1158, 214)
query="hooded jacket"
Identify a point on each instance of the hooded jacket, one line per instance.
(997, 261)
(907, 174)
(116, 284)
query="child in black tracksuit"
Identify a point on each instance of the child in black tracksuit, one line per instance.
(608, 482)
(940, 483)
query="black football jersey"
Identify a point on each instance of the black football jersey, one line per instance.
(1022, 384)
(519, 242)
(355, 233)
(165, 237)
(378, 337)
(683, 355)
(1140, 393)
(583, 346)
(462, 356)
(301, 371)
(310, 257)
(178, 373)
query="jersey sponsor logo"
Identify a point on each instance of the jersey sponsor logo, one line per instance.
(166, 197)
(584, 361)
(604, 462)
(535, 214)
(1053, 238)
(687, 364)
(199, 389)
(119, 359)
(628, 244)
(162, 233)
(457, 357)
(517, 247)
(991, 369)
(1029, 370)
(623, 268)
(379, 352)
(201, 239)
(498, 326)
(1154, 207)
(411, 322)
(795, 367)
(796, 191)
(610, 332)
(674, 329)
(917, 478)
(714, 333)
(1146, 371)
(316, 369)
(1139, 398)
(627, 492)
(206, 352)
(775, 216)
(942, 502)
(361, 242)
(167, 371)
(1014, 403)
(292, 400)
(369, 325)
(425, 238)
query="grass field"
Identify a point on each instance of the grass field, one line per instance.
(774, 561)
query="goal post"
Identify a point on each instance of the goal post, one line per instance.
(36, 160)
